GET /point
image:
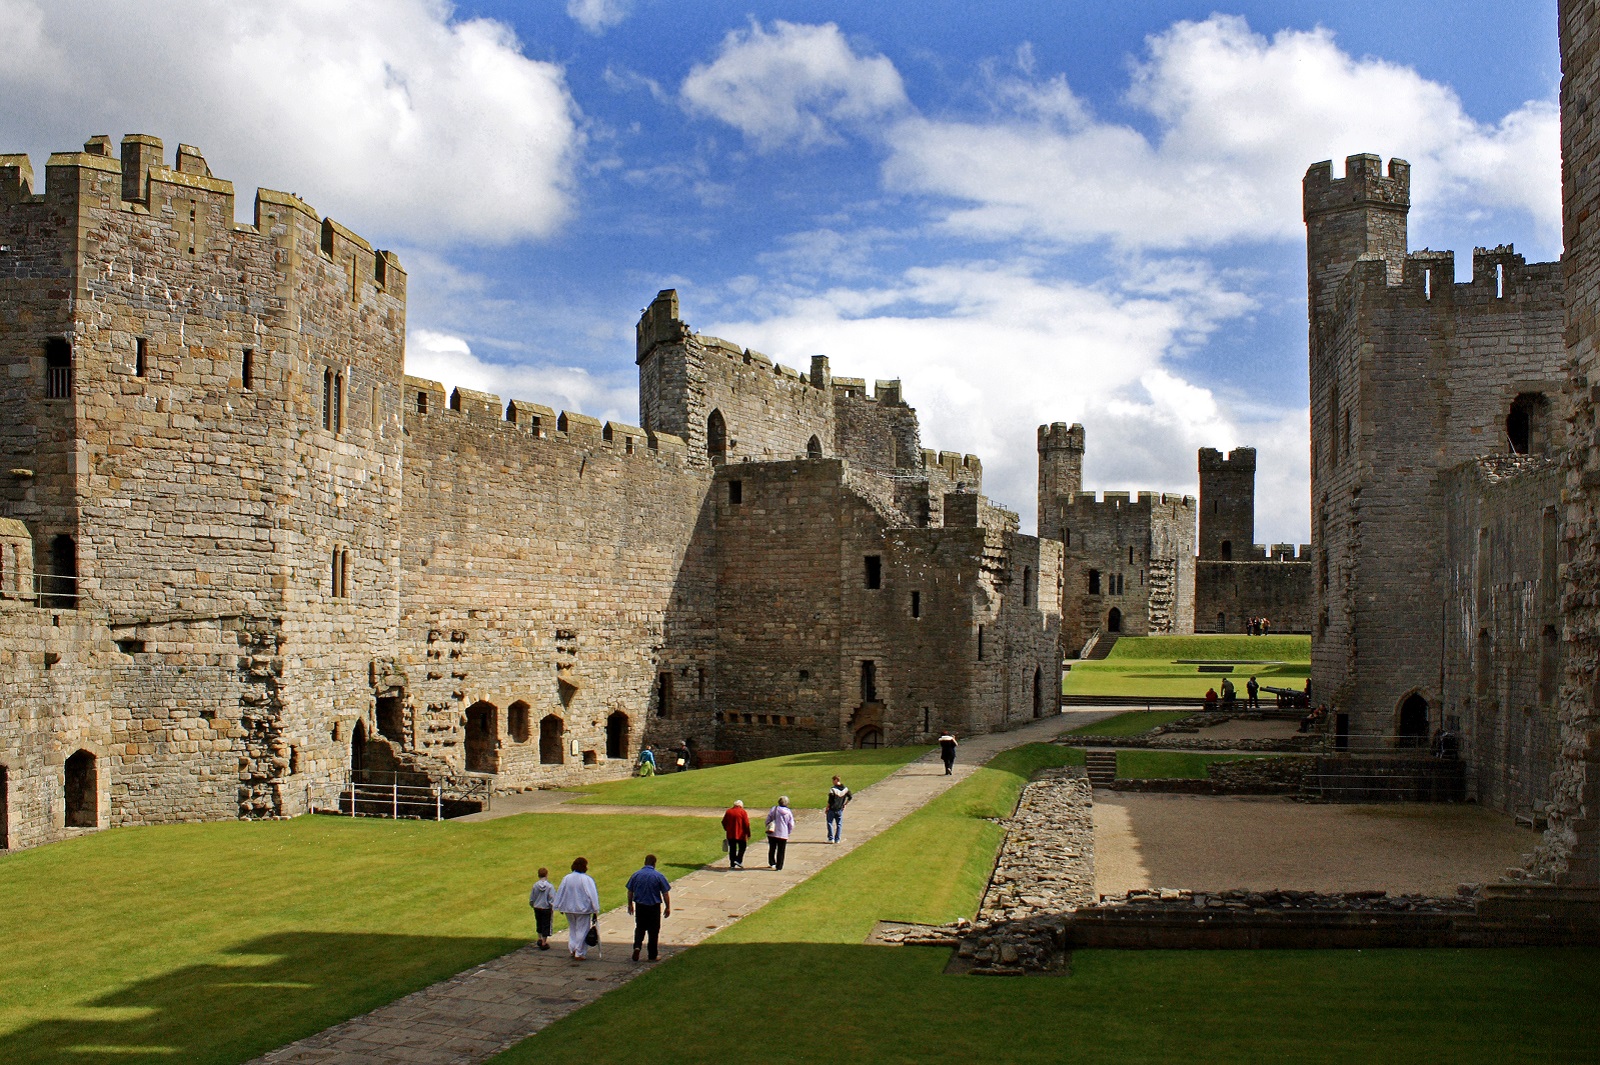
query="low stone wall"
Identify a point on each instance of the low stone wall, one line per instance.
(1278, 775)
(1046, 864)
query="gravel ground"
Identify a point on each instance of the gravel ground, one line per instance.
(1212, 843)
(1249, 730)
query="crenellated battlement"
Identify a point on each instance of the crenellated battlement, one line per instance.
(1059, 436)
(466, 409)
(1128, 501)
(1239, 460)
(1364, 185)
(1426, 280)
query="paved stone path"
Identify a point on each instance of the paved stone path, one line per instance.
(476, 1014)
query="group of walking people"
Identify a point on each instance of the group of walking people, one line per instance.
(780, 826)
(578, 899)
(1259, 627)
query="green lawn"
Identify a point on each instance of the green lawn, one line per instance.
(1148, 666)
(794, 983)
(1154, 765)
(217, 942)
(1133, 723)
(805, 778)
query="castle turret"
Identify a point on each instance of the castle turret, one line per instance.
(1359, 216)
(1060, 472)
(1227, 503)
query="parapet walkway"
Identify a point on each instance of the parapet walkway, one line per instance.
(476, 1014)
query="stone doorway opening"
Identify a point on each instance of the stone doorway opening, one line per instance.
(617, 735)
(717, 438)
(550, 729)
(518, 716)
(1413, 721)
(869, 737)
(483, 735)
(82, 791)
(358, 749)
(392, 717)
(1114, 620)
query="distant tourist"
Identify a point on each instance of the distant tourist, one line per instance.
(579, 899)
(736, 827)
(838, 798)
(685, 756)
(1252, 692)
(648, 892)
(780, 826)
(1229, 694)
(647, 763)
(1310, 722)
(1211, 700)
(947, 751)
(543, 900)
(1266, 626)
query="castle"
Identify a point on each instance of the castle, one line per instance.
(242, 555)
(1130, 565)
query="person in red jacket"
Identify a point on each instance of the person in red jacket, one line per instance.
(736, 826)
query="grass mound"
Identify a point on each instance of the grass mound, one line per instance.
(1148, 666)
(1213, 648)
(1170, 765)
(805, 778)
(1133, 723)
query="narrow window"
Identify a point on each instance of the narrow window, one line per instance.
(1227, 550)
(1069, 537)
(735, 492)
(1499, 281)
(916, 604)
(247, 369)
(980, 643)
(1333, 430)
(1027, 582)
(700, 682)
(57, 369)
(874, 571)
(380, 269)
(60, 591)
(664, 694)
(422, 404)
(327, 399)
(1130, 554)
(927, 719)
(869, 681)
(338, 402)
(340, 573)
(140, 357)
(716, 438)
(1427, 284)
(1094, 582)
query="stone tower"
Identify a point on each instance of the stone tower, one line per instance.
(1359, 216)
(1060, 472)
(1227, 503)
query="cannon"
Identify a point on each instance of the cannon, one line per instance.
(1289, 698)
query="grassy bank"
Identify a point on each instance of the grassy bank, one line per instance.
(805, 778)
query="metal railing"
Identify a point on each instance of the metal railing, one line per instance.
(393, 800)
(52, 591)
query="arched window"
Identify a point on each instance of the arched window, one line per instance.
(358, 751)
(717, 437)
(82, 791)
(869, 737)
(517, 717)
(550, 729)
(814, 448)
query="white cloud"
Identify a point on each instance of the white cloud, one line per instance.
(391, 115)
(449, 359)
(792, 85)
(597, 16)
(990, 351)
(1238, 117)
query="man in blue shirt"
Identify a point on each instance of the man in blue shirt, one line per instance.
(648, 893)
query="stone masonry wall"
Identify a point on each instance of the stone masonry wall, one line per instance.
(1279, 591)
(1142, 551)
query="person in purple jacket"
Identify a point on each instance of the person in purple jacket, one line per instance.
(780, 826)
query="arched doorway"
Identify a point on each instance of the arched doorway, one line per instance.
(550, 729)
(1038, 691)
(517, 721)
(358, 750)
(717, 438)
(869, 737)
(483, 736)
(1413, 723)
(1114, 620)
(617, 735)
(814, 448)
(82, 791)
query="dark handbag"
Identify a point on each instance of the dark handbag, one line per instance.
(593, 938)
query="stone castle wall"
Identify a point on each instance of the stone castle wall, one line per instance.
(1131, 555)
(1502, 619)
(1237, 579)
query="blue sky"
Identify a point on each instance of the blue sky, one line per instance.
(1030, 212)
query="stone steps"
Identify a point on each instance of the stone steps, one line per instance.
(1102, 766)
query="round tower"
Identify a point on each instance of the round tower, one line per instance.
(1060, 472)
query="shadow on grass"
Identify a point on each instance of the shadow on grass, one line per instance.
(845, 1003)
(249, 1000)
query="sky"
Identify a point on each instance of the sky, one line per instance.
(1027, 212)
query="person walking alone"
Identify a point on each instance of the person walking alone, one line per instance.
(736, 827)
(579, 899)
(947, 751)
(1253, 690)
(780, 826)
(838, 798)
(648, 892)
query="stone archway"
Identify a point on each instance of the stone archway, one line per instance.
(483, 738)
(717, 437)
(82, 791)
(1411, 721)
(617, 735)
(1114, 620)
(551, 729)
(869, 737)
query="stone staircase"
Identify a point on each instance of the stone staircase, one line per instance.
(1102, 647)
(1102, 766)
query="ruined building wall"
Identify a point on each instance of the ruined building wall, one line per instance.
(1411, 374)
(200, 503)
(1502, 618)
(1570, 852)
(563, 571)
(1237, 579)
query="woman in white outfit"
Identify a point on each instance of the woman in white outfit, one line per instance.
(579, 899)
